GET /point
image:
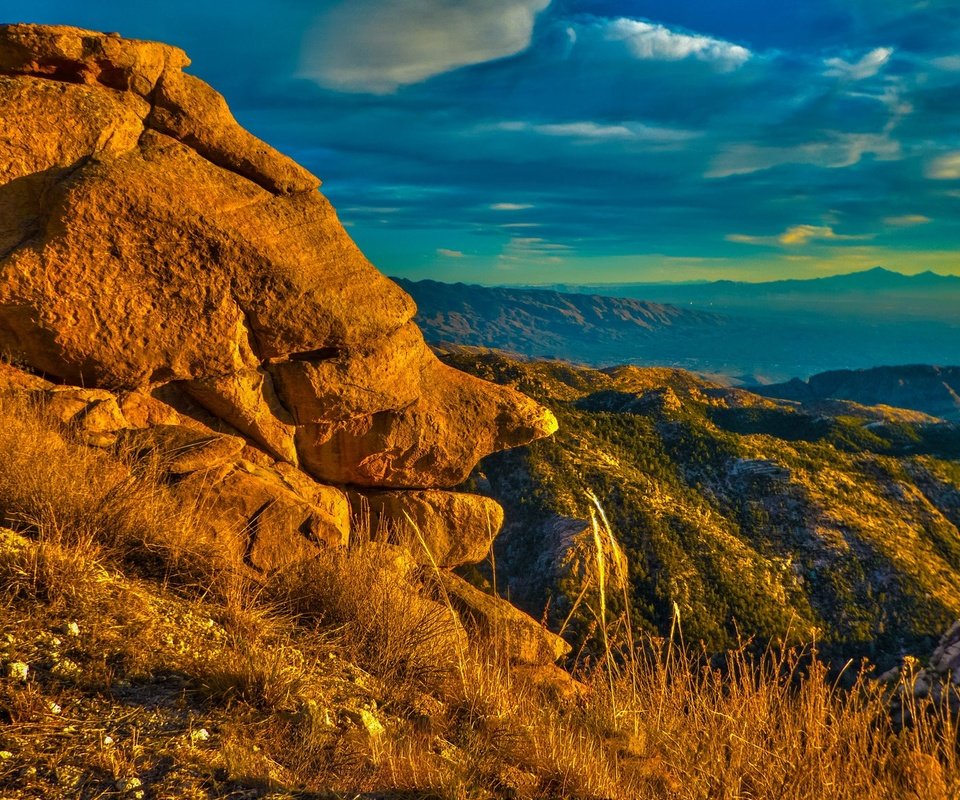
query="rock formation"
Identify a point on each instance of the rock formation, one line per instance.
(936, 683)
(187, 293)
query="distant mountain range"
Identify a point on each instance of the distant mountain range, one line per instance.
(751, 333)
(933, 390)
(549, 324)
(926, 295)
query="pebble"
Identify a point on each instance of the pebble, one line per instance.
(18, 671)
(200, 735)
(131, 786)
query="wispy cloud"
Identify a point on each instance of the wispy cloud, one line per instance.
(804, 234)
(532, 250)
(443, 251)
(840, 150)
(376, 46)
(655, 42)
(510, 206)
(797, 236)
(907, 220)
(593, 131)
(866, 67)
(945, 168)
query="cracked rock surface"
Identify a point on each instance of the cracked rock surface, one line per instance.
(153, 248)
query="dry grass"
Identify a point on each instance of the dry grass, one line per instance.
(344, 675)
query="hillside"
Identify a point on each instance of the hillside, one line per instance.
(591, 329)
(770, 518)
(934, 390)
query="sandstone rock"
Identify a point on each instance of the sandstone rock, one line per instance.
(259, 515)
(524, 639)
(246, 400)
(151, 246)
(384, 376)
(17, 380)
(182, 450)
(78, 56)
(455, 528)
(143, 410)
(433, 442)
(94, 412)
(189, 110)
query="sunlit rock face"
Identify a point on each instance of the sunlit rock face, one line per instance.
(151, 247)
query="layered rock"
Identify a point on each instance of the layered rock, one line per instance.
(188, 294)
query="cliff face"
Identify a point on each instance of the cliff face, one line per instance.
(178, 288)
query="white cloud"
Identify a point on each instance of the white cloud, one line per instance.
(510, 206)
(377, 46)
(945, 168)
(532, 250)
(592, 131)
(866, 67)
(796, 236)
(443, 251)
(840, 150)
(653, 42)
(907, 220)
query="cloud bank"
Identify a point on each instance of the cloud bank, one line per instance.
(377, 46)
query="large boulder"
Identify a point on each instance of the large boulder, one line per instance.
(146, 238)
(519, 636)
(446, 529)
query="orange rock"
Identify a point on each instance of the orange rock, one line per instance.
(524, 639)
(258, 514)
(457, 420)
(443, 528)
(146, 239)
(78, 56)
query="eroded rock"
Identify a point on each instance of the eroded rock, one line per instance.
(443, 528)
(522, 638)
(200, 301)
(262, 517)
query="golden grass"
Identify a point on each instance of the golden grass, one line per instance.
(296, 675)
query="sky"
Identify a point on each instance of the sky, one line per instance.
(539, 141)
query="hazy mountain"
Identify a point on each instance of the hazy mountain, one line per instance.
(869, 293)
(591, 329)
(748, 513)
(934, 390)
(751, 333)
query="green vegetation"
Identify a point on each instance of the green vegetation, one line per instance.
(749, 515)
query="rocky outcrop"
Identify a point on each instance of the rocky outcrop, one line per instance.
(443, 528)
(525, 640)
(924, 687)
(188, 295)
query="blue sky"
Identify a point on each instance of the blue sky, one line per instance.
(530, 141)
